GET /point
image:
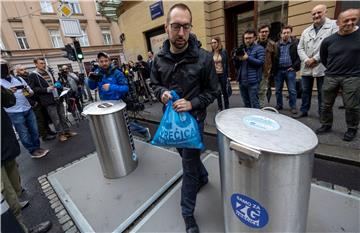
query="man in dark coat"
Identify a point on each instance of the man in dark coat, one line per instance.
(189, 70)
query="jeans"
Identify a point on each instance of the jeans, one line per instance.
(194, 174)
(135, 127)
(351, 96)
(223, 94)
(26, 126)
(262, 91)
(290, 78)
(57, 116)
(249, 94)
(307, 86)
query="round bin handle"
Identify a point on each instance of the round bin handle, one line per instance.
(271, 109)
(244, 149)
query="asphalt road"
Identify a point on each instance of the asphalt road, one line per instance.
(344, 174)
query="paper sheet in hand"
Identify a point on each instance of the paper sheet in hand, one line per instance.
(64, 92)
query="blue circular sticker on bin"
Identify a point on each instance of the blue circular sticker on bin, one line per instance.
(261, 123)
(249, 211)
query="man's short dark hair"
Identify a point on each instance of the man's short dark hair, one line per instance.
(181, 6)
(264, 26)
(139, 58)
(36, 59)
(103, 54)
(287, 27)
(250, 31)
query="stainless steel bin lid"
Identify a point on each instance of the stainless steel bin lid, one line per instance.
(104, 107)
(266, 131)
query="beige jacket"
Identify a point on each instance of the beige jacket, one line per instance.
(309, 46)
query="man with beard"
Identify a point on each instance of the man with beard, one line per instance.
(249, 65)
(43, 85)
(42, 117)
(184, 67)
(270, 53)
(340, 55)
(309, 53)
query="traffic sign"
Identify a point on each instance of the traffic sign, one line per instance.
(65, 10)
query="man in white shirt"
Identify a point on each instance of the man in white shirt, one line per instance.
(22, 116)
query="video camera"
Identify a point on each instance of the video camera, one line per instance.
(95, 77)
(239, 51)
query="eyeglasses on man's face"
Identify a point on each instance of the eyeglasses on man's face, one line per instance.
(176, 26)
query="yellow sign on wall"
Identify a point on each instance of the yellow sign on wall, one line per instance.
(65, 10)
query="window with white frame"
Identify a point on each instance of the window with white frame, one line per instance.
(55, 38)
(46, 6)
(2, 46)
(21, 39)
(84, 40)
(75, 6)
(106, 36)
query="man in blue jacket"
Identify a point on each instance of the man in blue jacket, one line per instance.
(112, 85)
(249, 64)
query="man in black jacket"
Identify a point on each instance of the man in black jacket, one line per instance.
(190, 71)
(43, 85)
(10, 176)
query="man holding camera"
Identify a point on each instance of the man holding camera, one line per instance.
(112, 85)
(44, 87)
(21, 114)
(249, 60)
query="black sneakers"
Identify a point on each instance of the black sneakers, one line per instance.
(350, 135)
(323, 129)
(190, 224)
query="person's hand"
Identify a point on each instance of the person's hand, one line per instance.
(290, 69)
(166, 96)
(245, 57)
(106, 86)
(182, 105)
(311, 62)
(13, 89)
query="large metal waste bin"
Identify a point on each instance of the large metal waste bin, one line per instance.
(266, 162)
(112, 137)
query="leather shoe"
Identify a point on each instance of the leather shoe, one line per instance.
(279, 107)
(24, 204)
(48, 137)
(191, 226)
(300, 115)
(41, 228)
(323, 129)
(350, 135)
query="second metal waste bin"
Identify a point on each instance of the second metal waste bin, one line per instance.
(112, 137)
(266, 162)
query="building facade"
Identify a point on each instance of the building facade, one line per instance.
(143, 27)
(31, 29)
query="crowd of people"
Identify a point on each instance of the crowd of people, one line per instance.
(327, 51)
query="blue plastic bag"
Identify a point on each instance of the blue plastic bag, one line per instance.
(177, 129)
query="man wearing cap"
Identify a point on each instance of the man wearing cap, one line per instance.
(112, 85)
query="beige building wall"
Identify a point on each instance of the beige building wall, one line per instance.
(215, 22)
(299, 13)
(136, 20)
(27, 16)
